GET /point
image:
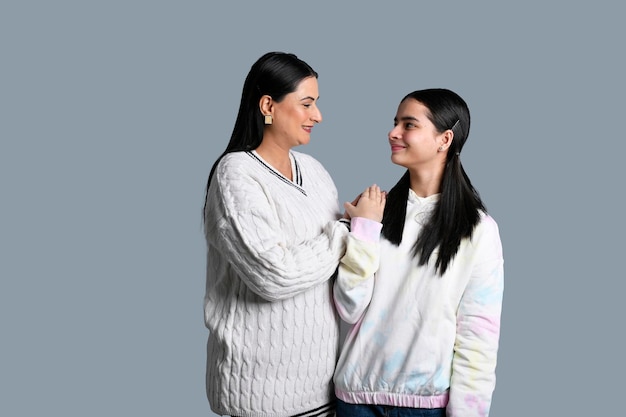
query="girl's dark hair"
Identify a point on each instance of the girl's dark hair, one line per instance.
(275, 74)
(459, 207)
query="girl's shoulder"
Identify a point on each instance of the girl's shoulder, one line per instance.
(487, 233)
(486, 221)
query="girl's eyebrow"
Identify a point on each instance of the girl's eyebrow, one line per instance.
(405, 118)
(308, 98)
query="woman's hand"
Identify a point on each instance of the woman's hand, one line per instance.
(354, 203)
(370, 204)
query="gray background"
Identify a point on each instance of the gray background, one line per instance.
(112, 112)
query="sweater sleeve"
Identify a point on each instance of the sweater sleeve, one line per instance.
(354, 285)
(244, 226)
(478, 329)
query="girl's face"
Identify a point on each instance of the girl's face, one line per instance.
(414, 140)
(297, 113)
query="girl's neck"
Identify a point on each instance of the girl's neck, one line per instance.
(425, 184)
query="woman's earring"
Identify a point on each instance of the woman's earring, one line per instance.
(268, 119)
(440, 149)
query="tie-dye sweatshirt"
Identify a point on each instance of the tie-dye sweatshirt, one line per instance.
(418, 339)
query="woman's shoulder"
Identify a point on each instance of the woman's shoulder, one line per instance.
(308, 160)
(235, 158)
(304, 157)
(234, 167)
(235, 161)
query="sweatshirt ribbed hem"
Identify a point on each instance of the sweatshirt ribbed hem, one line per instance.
(394, 399)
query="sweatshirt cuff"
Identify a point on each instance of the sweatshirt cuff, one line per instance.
(365, 229)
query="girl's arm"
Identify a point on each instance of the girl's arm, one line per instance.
(478, 330)
(354, 285)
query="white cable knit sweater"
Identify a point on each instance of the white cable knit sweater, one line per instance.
(273, 245)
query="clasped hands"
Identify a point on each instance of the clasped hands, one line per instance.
(370, 204)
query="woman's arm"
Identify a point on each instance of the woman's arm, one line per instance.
(243, 225)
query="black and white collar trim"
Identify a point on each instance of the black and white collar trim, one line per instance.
(297, 183)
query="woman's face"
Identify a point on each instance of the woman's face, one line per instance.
(414, 139)
(295, 116)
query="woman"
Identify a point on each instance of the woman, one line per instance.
(424, 299)
(274, 240)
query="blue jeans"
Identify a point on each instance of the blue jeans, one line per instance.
(370, 410)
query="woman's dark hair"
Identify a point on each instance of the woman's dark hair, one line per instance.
(459, 207)
(275, 74)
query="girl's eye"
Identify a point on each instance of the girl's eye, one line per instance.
(307, 105)
(409, 125)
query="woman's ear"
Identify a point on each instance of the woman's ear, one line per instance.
(266, 105)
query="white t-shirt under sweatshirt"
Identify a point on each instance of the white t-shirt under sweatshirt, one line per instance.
(273, 245)
(418, 339)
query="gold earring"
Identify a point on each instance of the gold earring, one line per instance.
(268, 119)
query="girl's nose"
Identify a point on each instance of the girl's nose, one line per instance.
(393, 133)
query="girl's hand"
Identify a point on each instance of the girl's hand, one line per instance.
(370, 204)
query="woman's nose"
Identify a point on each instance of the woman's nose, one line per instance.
(317, 116)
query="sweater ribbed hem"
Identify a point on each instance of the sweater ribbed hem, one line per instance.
(326, 410)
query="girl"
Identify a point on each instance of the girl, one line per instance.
(422, 290)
